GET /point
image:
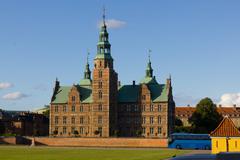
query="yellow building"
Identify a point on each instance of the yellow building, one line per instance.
(226, 137)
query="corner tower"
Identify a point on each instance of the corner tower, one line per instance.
(104, 88)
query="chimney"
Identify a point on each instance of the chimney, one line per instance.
(234, 105)
(133, 83)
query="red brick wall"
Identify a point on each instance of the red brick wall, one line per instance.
(8, 140)
(102, 142)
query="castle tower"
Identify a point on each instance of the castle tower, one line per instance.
(104, 88)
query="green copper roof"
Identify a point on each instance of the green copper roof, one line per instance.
(158, 92)
(103, 56)
(130, 93)
(62, 94)
(148, 80)
(85, 94)
(85, 82)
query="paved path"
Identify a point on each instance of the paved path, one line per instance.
(196, 155)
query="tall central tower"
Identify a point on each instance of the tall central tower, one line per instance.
(104, 88)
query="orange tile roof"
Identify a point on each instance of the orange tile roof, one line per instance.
(188, 111)
(226, 129)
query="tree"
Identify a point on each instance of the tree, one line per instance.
(46, 113)
(96, 132)
(178, 122)
(206, 118)
(55, 132)
(75, 133)
(138, 133)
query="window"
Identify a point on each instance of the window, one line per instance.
(81, 108)
(56, 109)
(151, 130)
(100, 120)
(72, 130)
(100, 94)
(100, 107)
(128, 108)
(159, 108)
(73, 98)
(135, 108)
(236, 144)
(143, 120)
(56, 129)
(100, 63)
(159, 130)
(100, 84)
(64, 130)
(143, 97)
(64, 120)
(56, 120)
(151, 120)
(64, 108)
(81, 120)
(73, 120)
(81, 130)
(143, 130)
(151, 108)
(100, 73)
(100, 131)
(143, 108)
(159, 120)
(73, 108)
(216, 144)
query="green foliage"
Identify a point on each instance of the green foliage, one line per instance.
(8, 134)
(75, 133)
(183, 129)
(55, 132)
(206, 118)
(96, 132)
(2, 128)
(46, 113)
(178, 122)
(139, 133)
(76, 153)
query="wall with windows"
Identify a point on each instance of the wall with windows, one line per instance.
(222, 144)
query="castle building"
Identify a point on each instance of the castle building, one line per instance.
(101, 107)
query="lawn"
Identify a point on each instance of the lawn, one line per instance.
(58, 153)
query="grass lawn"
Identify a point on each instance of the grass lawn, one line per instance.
(58, 153)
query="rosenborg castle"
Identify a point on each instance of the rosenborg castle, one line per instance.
(99, 106)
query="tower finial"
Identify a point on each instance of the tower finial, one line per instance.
(149, 54)
(104, 15)
(88, 53)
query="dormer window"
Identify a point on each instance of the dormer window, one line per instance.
(73, 98)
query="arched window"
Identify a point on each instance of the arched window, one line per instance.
(100, 84)
(100, 74)
(159, 120)
(100, 94)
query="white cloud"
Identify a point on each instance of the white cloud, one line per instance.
(230, 99)
(5, 85)
(113, 23)
(14, 96)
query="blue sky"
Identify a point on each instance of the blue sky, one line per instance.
(197, 42)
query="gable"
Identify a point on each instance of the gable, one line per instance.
(226, 129)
